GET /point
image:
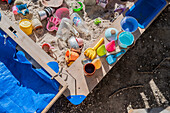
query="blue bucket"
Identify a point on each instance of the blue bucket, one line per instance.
(125, 39)
(129, 24)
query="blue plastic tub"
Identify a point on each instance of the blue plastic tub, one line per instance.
(145, 10)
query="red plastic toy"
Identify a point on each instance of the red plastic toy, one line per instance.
(8, 1)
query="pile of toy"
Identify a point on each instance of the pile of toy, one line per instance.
(123, 39)
(59, 20)
(67, 25)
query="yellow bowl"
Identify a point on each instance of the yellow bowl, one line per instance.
(26, 26)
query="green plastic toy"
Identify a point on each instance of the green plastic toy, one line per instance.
(101, 51)
(78, 9)
(97, 21)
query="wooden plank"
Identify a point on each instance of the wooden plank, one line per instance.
(35, 52)
(29, 46)
(84, 84)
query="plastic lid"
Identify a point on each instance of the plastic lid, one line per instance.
(25, 23)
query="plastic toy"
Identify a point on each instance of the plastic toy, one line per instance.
(15, 10)
(111, 34)
(110, 47)
(125, 39)
(101, 51)
(26, 26)
(78, 9)
(89, 69)
(144, 11)
(97, 63)
(47, 47)
(111, 59)
(60, 13)
(91, 52)
(36, 24)
(21, 7)
(80, 41)
(97, 21)
(129, 24)
(8, 1)
(71, 56)
(52, 20)
(72, 42)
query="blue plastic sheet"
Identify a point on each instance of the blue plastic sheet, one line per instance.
(23, 89)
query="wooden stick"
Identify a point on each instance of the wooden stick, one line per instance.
(122, 89)
(54, 99)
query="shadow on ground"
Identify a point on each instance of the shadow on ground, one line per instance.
(139, 65)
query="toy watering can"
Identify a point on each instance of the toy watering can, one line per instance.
(112, 58)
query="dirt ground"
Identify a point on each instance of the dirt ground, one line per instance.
(148, 60)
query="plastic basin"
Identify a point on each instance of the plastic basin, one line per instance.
(145, 10)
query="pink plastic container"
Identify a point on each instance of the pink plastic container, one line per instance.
(14, 10)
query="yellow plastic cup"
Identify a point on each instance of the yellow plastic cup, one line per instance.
(97, 63)
(26, 26)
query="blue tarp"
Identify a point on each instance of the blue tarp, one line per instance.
(23, 89)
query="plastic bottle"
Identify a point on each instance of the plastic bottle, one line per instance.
(79, 23)
(66, 29)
